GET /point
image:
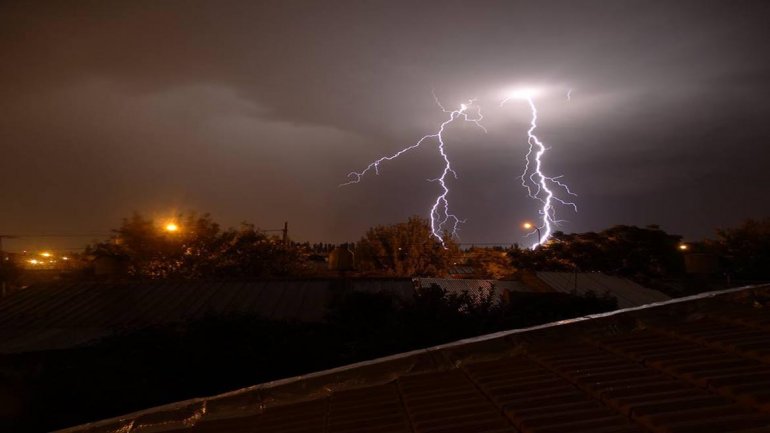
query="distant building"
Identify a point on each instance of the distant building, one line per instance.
(462, 271)
(628, 293)
(35, 319)
(497, 288)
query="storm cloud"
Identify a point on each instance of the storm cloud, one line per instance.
(257, 111)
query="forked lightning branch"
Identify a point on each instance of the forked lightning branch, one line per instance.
(442, 220)
(538, 185)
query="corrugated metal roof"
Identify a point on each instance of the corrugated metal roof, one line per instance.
(628, 293)
(699, 364)
(401, 287)
(462, 270)
(458, 286)
(59, 315)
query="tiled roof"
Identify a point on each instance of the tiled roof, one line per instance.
(59, 315)
(628, 293)
(693, 365)
(462, 270)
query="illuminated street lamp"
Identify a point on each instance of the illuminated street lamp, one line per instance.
(171, 227)
(45, 254)
(684, 247)
(530, 226)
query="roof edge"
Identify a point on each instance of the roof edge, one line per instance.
(412, 361)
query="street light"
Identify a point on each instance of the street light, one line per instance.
(171, 227)
(684, 247)
(530, 226)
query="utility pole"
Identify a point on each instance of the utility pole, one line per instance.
(285, 233)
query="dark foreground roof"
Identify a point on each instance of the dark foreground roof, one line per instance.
(694, 365)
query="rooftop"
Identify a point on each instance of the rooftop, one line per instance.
(60, 315)
(628, 293)
(696, 364)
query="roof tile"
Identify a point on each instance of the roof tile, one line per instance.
(677, 368)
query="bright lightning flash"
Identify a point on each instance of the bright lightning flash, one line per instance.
(539, 186)
(441, 219)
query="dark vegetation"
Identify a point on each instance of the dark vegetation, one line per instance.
(621, 250)
(201, 249)
(143, 368)
(646, 255)
(744, 250)
(652, 257)
(159, 365)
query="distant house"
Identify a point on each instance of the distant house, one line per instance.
(628, 293)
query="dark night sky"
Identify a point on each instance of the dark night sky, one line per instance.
(257, 110)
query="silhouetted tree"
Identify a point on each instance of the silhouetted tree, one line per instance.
(492, 263)
(745, 249)
(199, 248)
(629, 251)
(406, 249)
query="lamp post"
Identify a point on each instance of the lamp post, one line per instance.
(530, 226)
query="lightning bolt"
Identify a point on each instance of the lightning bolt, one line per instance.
(441, 219)
(539, 186)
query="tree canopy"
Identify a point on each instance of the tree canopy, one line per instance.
(622, 250)
(745, 249)
(199, 248)
(406, 250)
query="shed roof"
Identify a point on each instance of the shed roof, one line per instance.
(697, 364)
(59, 315)
(458, 286)
(628, 293)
